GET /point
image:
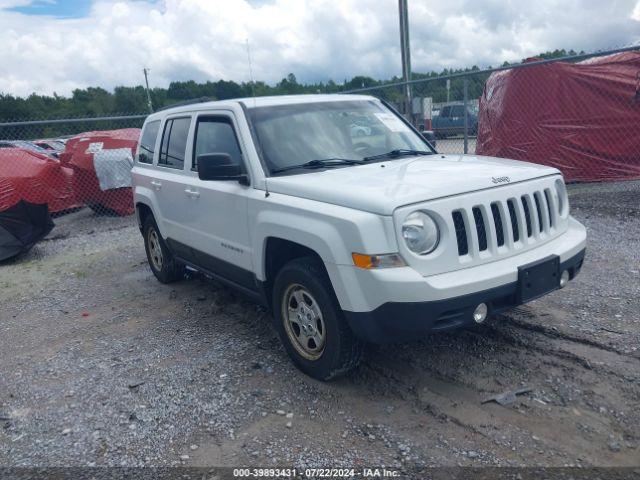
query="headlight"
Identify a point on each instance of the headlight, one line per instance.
(420, 233)
(563, 198)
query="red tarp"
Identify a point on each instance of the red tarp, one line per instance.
(78, 155)
(582, 118)
(34, 178)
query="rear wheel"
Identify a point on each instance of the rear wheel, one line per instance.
(162, 263)
(310, 322)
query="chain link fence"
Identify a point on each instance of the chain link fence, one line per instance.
(55, 168)
(580, 114)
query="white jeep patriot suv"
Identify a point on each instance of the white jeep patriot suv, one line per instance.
(349, 235)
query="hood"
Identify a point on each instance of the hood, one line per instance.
(384, 186)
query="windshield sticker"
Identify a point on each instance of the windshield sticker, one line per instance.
(392, 122)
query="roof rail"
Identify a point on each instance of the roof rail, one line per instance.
(185, 103)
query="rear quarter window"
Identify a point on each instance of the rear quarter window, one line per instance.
(148, 142)
(174, 142)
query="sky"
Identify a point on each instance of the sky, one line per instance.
(59, 45)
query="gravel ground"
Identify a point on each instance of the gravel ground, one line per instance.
(102, 365)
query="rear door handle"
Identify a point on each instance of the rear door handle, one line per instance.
(191, 193)
(156, 184)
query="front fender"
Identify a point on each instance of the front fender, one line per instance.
(321, 237)
(331, 231)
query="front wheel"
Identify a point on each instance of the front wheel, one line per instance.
(310, 322)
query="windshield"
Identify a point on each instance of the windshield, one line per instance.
(292, 135)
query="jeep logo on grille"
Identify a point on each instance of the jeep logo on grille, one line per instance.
(500, 179)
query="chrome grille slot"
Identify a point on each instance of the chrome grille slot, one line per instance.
(536, 199)
(547, 196)
(527, 215)
(461, 233)
(480, 228)
(497, 221)
(514, 220)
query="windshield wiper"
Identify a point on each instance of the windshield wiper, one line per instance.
(325, 162)
(397, 153)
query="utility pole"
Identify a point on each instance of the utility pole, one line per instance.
(406, 55)
(466, 114)
(146, 81)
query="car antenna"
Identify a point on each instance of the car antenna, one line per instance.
(253, 88)
(253, 94)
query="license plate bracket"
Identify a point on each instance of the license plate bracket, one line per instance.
(538, 278)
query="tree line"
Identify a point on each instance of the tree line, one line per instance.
(97, 102)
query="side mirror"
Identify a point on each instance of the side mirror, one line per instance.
(429, 136)
(218, 166)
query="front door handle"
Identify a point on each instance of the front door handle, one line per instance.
(191, 193)
(156, 184)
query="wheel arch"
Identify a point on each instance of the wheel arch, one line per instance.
(142, 212)
(277, 252)
(146, 203)
(332, 233)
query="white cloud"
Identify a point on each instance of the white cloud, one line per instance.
(14, 3)
(315, 39)
(636, 13)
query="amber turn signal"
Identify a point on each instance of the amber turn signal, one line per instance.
(377, 261)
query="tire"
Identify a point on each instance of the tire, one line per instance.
(337, 350)
(161, 260)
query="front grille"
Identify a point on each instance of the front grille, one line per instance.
(502, 223)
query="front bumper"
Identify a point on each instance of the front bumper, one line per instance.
(401, 321)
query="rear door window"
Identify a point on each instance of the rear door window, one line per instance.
(174, 142)
(148, 142)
